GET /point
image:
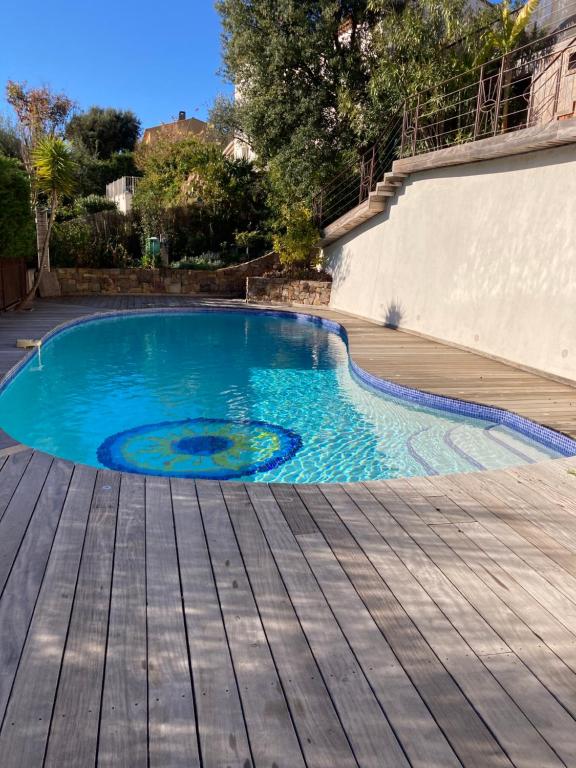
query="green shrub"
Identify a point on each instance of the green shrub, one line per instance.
(94, 174)
(71, 244)
(105, 239)
(204, 261)
(17, 230)
(84, 206)
(297, 241)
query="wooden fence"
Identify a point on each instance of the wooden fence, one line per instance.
(12, 282)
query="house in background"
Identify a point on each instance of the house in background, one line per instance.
(184, 126)
(121, 191)
(239, 147)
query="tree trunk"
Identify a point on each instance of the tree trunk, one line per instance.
(41, 228)
(43, 257)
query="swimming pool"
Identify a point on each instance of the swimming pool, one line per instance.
(245, 395)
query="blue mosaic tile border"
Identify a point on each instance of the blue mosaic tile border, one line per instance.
(547, 437)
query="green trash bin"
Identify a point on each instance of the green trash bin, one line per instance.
(153, 246)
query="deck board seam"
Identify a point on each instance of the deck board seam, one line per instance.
(478, 654)
(63, 649)
(424, 639)
(225, 628)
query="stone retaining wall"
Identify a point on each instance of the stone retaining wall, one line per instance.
(282, 290)
(227, 282)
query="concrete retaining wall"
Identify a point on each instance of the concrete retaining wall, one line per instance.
(481, 255)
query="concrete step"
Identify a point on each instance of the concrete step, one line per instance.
(383, 191)
(377, 202)
(385, 188)
(395, 176)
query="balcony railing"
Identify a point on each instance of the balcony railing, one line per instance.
(354, 183)
(534, 85)
(127, 184)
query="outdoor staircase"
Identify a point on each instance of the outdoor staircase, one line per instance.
(376, 203)
(560, 132)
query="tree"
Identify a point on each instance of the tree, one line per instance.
(318, 80)
(104, 132)
(297, 243)
(416, 45)
(190, 182)
(9, 139)
(290, 67)
(54, 177)
(506, 34)
(508, 31)
(94, 173)
(39, 112)
(16, 221)
(42, 116)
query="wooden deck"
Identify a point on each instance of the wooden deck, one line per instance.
(425, 622)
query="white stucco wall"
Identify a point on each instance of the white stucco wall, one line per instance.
(482, 255)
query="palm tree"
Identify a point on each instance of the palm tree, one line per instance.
(503, 37)
(54, 177)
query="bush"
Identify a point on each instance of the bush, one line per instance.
(105, 239)
(84, 206)
(297, 241)
(204, 261)
(17, 230)
(94, 174)
(196, 199)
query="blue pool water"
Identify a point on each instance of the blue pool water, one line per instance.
(235, 395)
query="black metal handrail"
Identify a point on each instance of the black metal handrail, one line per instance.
(353, 184)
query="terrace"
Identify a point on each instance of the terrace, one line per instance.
(521, 102)
(414, 622)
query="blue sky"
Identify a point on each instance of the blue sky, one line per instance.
(155, 58)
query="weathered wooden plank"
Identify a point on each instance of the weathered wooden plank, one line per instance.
(172, 731)
(295, 513)
(321, 735)
(423, 741)
(74, 731)
(546, 714)
(520, 518)
(19, 511)
(507, 722)
(124, 712)
(271, 731)
(543, 663)
(342, 671)
(466, 732)
(441, 503)
(543, 623)
(27, 720)
(221, 727)
(473, 628)
(421, 506)
(500, 492)
(547, 583)
(528, 552)
(23, 585)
